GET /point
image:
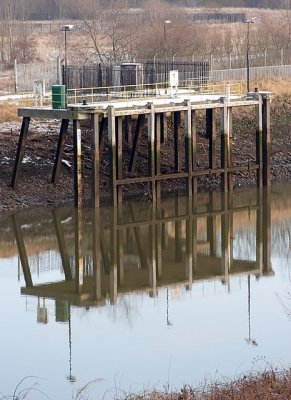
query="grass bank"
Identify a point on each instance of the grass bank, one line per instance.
(270, 385)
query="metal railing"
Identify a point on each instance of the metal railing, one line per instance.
(162, 89)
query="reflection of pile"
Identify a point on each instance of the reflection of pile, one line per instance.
(144, 249)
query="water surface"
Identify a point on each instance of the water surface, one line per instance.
(137, 298)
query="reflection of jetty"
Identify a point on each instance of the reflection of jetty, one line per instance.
(141, 249)
(124, 122)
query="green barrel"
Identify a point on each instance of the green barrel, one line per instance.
(58, 96)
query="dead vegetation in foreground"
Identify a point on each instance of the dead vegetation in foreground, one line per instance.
(269, 385)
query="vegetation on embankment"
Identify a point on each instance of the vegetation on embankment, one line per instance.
(269, 385)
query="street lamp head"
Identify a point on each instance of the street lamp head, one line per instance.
(168, 21)
(67, 28)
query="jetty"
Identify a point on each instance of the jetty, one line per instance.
(125, 115)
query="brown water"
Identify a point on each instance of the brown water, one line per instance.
(135, 298)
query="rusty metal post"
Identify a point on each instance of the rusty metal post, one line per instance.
(225, 145)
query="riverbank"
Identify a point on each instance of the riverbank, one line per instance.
(36, 190)
(265, 386)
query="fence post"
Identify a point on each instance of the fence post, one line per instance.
(15, 77)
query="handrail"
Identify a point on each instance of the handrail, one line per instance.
(159, 89)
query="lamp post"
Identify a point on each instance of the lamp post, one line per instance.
(167, 22)
(65, 29)
(248, 21)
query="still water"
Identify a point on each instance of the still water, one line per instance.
(138, 298)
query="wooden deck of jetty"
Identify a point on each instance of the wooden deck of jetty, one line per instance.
(125, 119)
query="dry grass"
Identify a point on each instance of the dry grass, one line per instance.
(280, 87)
(8, 112)
(264, 386)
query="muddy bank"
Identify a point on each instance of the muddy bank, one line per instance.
(36, 190)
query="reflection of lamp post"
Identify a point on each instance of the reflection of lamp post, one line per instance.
(66, 28)
(169, 323)
(248, 21)
(249, 340)
(167, 22)
(71, 378)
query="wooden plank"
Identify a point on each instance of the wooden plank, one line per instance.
(259, 142)
(151, 150)
(44, 113)
(188, 146)
(178, 233)
(62, 244)
(259, 230)
(79, 266)
(224, 146)
(113, 253)
(128, 129)
(158, 153)
(77, 164)
(229, 154)
(212, 135)
(102, 131)
(112, 154)
(20, 150)
(194, 152)
(266, 145)
(60, 150)
(119, 157)
(22, 250)
(267, 263)
(95, 184)
(164, 128)
(138, 239)
(97, 287)
(177, 123)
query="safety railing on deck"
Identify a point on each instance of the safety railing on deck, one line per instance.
(163, 89)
